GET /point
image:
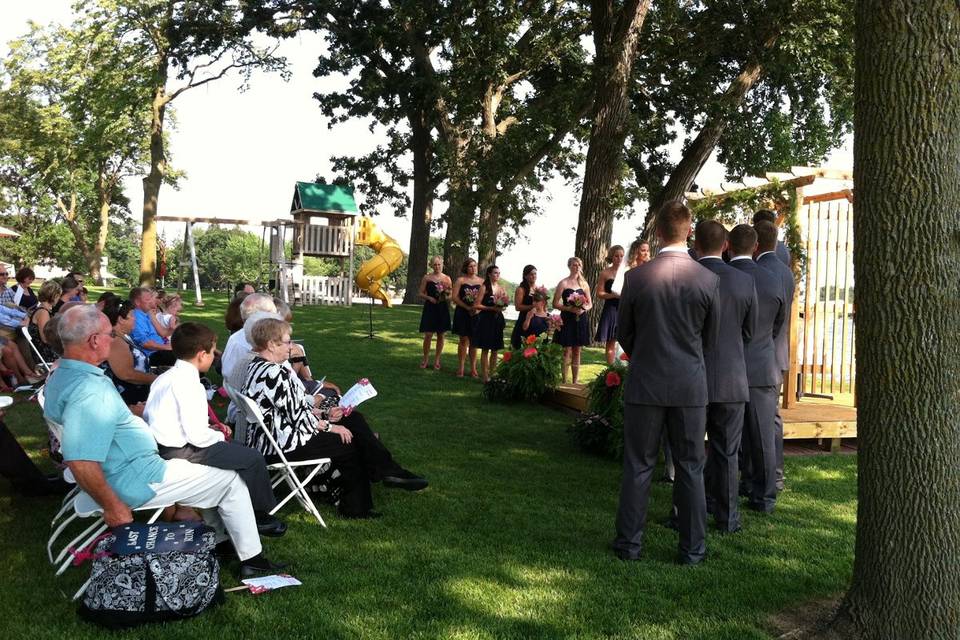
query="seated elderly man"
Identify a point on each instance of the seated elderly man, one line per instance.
(113, 455)
(237, 344)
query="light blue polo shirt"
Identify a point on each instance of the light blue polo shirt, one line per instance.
(98, 426)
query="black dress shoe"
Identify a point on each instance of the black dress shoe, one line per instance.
(689, 562)
(270, 526)
(625, 555)
(670, 523)
(726, 530)
(225, 551)
(259, 565)
(369, 515)
(405, 480)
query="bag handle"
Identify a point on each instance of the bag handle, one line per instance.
(82, 555)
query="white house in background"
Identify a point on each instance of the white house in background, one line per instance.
(47, 269)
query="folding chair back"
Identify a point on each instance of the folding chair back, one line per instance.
(285, 470)
(36, 352)
(240, 425)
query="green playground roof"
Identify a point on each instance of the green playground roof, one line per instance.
(323, 198)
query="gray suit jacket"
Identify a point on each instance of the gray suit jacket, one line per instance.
(760, 353)
(668, 316)
(783, 253)
(726, 367)
(771, 262)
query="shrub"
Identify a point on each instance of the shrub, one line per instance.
(600, 429)
(526, 373)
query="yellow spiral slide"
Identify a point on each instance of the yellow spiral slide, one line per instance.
(373, 271)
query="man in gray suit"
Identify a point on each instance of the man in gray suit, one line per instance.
(768, 258)
(763, 374)
(668, 315)
(727, 386)
(783, 253)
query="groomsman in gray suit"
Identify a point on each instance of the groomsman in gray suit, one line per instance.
(727, 386)
(782, 252)
(763, 374)
(668, 315)
(768, 258)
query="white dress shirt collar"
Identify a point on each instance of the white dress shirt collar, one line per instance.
(710, 258)
(734, 259)
(674, 249)
(765, 253)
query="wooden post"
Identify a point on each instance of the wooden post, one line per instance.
(193, 262)
(790, 379)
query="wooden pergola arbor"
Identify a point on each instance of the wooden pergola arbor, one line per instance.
(819, 233)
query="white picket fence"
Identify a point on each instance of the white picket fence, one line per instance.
(326, 290)
(323, 240)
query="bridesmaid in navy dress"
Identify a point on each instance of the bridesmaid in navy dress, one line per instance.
(607, 327)
(536, 321)
(575, 332)
(465, 292)
(488, 330)
(523, 301)
(435, 290)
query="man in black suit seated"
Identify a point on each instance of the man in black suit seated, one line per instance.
(668, 315)
(727, 386)
(758, 470)
(768, 258)
(782, 252)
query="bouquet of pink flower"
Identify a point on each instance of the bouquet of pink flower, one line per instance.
(501, 300)
(443, 291)
(554, 322)
(577, 300)
(470, 294)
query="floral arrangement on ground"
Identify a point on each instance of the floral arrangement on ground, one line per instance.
(599, 430)
(526, 373)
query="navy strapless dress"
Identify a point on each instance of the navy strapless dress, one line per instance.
(575, 331)
(607, 327)
(488, 329)
(517, 334)
(537, 326)
(435, 317)
(463, 321)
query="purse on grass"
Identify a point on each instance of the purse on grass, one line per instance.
(152, 573)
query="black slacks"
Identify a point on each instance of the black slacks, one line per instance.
(760, 449)
(641, 431)
(724, 430)
(247, 462)
(362, 461)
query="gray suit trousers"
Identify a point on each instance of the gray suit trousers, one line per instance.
(248, 463)
(760, 447)
(724, 429)
(642, 426)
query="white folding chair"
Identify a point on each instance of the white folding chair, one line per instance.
(285, 470)
(36, 352)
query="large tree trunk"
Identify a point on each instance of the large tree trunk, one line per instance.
(104, 197)
(488, 227)
(907, 176)
(422, 214)
(699, 151)
(153, 181)
(460, 213)
(617, 38)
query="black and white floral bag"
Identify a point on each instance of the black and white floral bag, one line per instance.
(152, 573)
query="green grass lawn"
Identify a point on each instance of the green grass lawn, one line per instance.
(509, 541)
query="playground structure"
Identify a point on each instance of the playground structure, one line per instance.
(344, 229)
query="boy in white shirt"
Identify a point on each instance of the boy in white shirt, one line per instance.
(176, 411)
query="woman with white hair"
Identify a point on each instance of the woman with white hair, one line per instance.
(304, 431)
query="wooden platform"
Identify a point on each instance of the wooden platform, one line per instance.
(810, 418)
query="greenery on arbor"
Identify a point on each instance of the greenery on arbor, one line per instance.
(74, 128)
